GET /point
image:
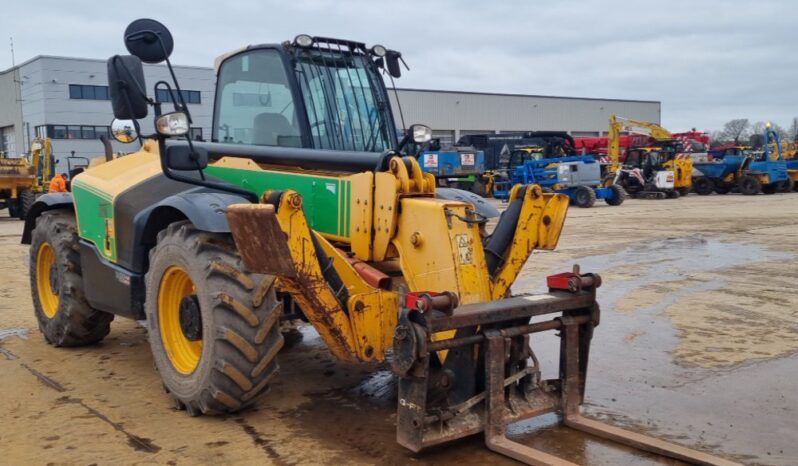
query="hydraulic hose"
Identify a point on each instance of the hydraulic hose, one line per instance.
(499, 241)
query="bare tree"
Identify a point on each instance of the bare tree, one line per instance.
(792, 133)
(784, 135)
(735, 129)
(757, 128)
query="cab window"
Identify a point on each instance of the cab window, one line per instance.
(254, 103)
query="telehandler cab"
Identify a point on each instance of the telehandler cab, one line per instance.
(304, 191)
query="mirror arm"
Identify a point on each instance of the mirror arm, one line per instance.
(403, 142)
(175, 101)
(183, 105)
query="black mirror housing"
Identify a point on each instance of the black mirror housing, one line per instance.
(184, 157)
(392, 58)
(127, 87)
(149, 40)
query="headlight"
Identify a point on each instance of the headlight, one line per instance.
(421, 133)
(303, 40)
(172, 124)
(378, 51)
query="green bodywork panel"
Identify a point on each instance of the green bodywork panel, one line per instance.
(325, 199)
(95, 218)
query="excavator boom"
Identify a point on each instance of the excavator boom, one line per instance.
(618, 124)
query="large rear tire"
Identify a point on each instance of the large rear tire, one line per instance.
(13, 207)
(214, 329)
(26, 200)
(65, 317)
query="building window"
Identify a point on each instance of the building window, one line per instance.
(72, 131)
(196, 134)
(87, 91)
(190, 97)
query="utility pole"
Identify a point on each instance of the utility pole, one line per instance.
(13, 62)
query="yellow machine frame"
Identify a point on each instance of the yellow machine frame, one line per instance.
(436, 244)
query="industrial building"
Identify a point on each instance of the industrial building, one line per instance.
(452, 114)
(67, 100)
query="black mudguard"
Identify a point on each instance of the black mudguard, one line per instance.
(205, 210)
(44, 203)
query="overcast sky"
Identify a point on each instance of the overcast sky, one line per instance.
(706, 61)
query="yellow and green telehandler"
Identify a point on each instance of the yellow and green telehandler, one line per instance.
(304, 191)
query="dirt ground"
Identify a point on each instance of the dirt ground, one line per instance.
(698, 343)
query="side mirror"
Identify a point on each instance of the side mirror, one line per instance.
(149, 40)
(127, 86)
(184, 157)
(124, 131)
(392, 58)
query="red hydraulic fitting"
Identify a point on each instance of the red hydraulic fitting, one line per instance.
(425, 301)
(573, 281)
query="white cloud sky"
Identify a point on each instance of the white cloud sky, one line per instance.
(706, 61)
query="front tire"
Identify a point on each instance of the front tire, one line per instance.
(64, 315)
(214, 329)
(749, 185)
(584, 197)
(618, 195)
(703, 186)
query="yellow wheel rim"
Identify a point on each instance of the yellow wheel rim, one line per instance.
(45, 265)
(184, 354)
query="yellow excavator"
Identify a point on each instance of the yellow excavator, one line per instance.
(654, 171)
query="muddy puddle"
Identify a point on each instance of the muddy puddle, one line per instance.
(358, 416)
